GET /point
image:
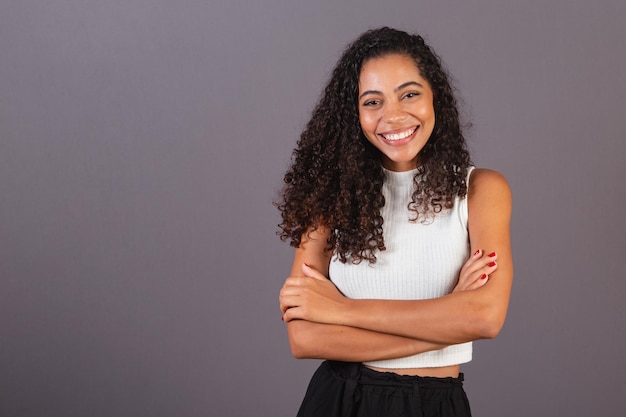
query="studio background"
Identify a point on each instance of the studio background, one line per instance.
(143, 142)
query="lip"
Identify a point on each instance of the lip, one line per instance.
(398, 142)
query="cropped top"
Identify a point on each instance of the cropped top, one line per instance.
(422, 261)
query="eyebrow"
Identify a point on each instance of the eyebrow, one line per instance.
(398, 88)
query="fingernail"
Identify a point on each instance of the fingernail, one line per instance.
(282, 318)
(483, 276)
(492, 254)
(492, 264)
(477, 252)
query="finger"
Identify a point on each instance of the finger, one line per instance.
(487, 268)
(289, 299)
(479, 277)
(492, 256)
(311, 272)
(481, 256)
(286, 292)
(292, 314)
(294, 283)
(284, 307)
(490, 267)
(478, 263)
(482, 280)
(484, 275)
(472, 264)
(282, 304)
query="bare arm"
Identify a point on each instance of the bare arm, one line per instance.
(458, 317)
(335, 342)
(343, 343)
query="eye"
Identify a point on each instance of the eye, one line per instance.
(411, 94)
(369, 103)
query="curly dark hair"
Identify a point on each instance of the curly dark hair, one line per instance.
(336, 177)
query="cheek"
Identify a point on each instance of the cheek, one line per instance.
(368, 124)
(427, 111)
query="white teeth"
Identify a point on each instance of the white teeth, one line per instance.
(401, 135)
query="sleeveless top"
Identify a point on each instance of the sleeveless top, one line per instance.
(422, 261)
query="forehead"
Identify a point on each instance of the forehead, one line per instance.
(389, 70)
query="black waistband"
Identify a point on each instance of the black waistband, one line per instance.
(364, 375)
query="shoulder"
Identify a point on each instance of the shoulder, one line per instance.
(488, 188)
(483, 180)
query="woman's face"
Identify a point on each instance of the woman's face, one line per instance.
(395, 109)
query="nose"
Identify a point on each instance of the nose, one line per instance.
(393, 112)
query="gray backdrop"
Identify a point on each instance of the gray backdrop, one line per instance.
(141, 146)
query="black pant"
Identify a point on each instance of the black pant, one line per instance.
(344, 389)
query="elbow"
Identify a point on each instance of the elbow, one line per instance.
(490, 330)
(300, 340)
(301, 354)
(490, 322)
(298, 349)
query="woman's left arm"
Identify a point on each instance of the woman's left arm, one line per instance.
(455, 318)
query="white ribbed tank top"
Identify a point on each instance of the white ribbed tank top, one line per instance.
(422, 261)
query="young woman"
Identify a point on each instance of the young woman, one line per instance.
(403, 253)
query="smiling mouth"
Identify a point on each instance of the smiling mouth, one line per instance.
(398, 136)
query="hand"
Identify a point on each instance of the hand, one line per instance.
(312, 297)
(475, 273)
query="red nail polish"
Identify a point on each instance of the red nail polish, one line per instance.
(477, 252)
(492, 254)
(491, 264)
(282, 318)
(483, 276)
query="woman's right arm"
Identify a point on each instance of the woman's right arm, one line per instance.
(334, 342)
(349, 344)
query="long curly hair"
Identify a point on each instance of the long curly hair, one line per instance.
(336, 177)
